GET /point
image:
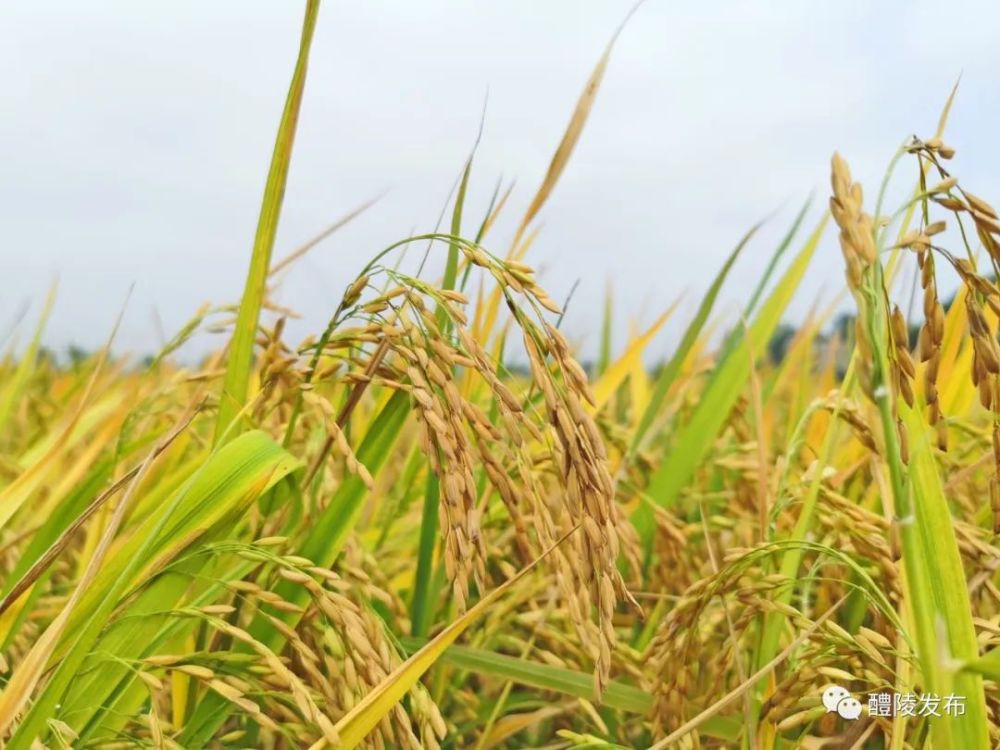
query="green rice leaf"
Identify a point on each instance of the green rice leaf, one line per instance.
(237, 380)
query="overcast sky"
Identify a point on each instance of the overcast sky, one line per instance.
(135, 139)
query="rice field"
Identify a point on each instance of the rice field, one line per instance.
(430, 525)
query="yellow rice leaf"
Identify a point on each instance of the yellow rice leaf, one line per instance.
(22, 683)
(14, 495)
(617, 371)
(510, 725)
(13, 389)
(570, 137)
(639, 388)
(954, 378)
(360, 720)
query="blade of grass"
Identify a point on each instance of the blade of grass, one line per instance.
(572, 134)
(619, 695)
(360, 720)
(696, 437)
(420, 607)
(322, 544)
(15, 387)
(604, 355)
(213, 501)
(65, 537)
(948, 586)
(522, 238)
(614, 375)
(344, 220)
(737, 332)
(21, 685)
(670, 371)
(237, 380)
(17, 607)
(987, 665)
(17, 493)
(772, 266)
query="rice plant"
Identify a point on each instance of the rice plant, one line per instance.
(430, 526)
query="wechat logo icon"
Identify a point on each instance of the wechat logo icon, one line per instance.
(839, 701)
